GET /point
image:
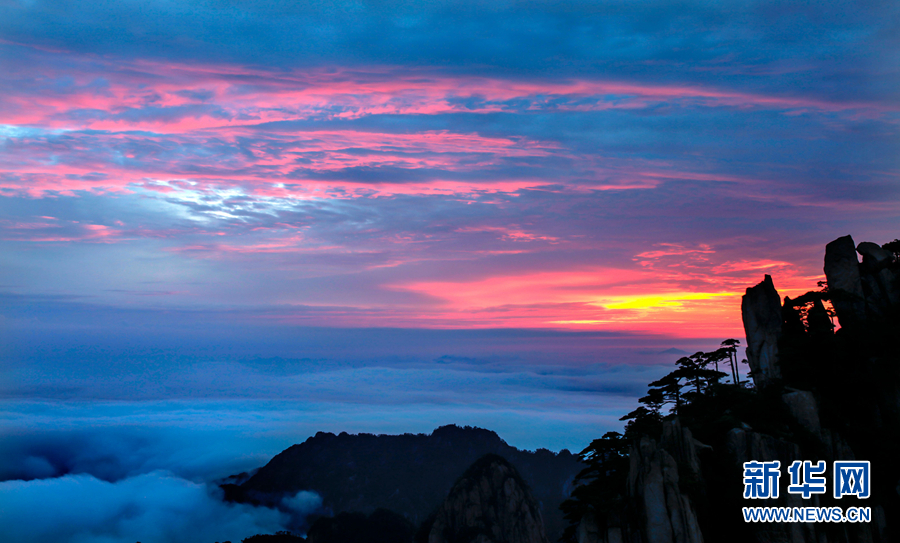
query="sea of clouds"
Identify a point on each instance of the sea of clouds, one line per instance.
(156, 506)
(117, 435)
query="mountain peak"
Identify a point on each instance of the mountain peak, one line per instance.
(409, 473)
(490, 503)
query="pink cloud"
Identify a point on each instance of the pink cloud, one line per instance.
(167, 120)
(507, 234)
(57, 232)
(342, 94)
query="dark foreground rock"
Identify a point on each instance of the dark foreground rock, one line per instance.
(409, 474)
(382, 526)
(818, 394)
(280, 537)
(490, 503)
(762, 316)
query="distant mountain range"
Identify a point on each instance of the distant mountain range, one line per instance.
(410, 474)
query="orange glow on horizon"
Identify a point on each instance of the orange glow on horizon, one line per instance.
(601, 299)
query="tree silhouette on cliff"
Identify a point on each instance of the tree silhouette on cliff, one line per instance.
(600, 485)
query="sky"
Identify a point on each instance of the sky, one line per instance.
(227, 225)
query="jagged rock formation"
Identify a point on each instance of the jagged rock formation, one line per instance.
(666, 513)
(490, 503)
(861, 291)
(819, 395)
(409, 474)
(762, 316)
(842, 272)
(880, 283)
(656, 508)
(864, 296)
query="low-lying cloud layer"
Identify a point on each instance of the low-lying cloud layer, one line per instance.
(156, 506)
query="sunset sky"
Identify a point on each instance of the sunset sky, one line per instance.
(261, 219)
(595, 166)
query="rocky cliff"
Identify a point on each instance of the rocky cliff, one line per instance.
(817, 395)
(490, 503)
(665, 512)
(761, 313)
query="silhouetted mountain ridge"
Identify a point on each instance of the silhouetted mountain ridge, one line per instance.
(410, 473)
